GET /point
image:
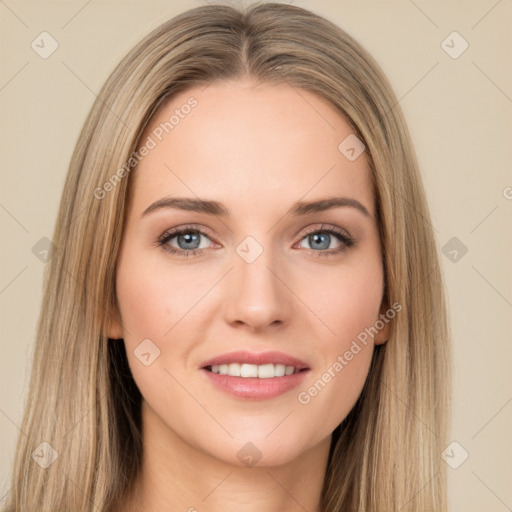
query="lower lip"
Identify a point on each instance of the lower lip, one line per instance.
(252, 388)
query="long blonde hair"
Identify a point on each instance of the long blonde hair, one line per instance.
(83, 402)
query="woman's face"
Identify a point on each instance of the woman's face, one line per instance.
(263, 277)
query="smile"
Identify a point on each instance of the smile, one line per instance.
(244, 370)
(255, 376)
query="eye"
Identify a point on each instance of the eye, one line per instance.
(321, 239)
(186, 241)
(190, 241)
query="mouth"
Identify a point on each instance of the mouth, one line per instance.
(255, 376)
(245, 371)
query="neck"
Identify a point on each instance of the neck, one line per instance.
(177, 476)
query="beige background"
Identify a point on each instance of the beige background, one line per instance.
(459, 112)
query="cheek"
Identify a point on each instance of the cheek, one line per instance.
(150, 306)
(333, 391)
(142, 304)
(359, 308)
(349, 306)
(157, 303)
(346, 300)
(152, 299)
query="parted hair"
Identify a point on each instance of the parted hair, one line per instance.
(386, 454)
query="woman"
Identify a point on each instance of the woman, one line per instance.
(245, 308)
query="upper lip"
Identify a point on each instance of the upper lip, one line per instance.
(261, 358)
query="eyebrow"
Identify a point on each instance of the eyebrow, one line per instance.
(216, 208)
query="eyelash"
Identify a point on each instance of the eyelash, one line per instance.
(346, 240)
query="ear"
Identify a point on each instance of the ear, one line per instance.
(383, 334)
(115, 327)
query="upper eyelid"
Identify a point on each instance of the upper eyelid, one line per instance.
(171, 233)
(325, 227)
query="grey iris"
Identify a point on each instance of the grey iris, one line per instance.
(315, 238)
(189, 237)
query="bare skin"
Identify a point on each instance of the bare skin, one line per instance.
(257, 149)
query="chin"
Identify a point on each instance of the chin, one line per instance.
(257, 451)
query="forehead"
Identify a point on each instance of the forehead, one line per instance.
(245, 141)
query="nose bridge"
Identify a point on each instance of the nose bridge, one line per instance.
(256, 297)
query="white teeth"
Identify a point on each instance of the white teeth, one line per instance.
(279, 370)
(248, 370)
(234, 370)
(264, 371)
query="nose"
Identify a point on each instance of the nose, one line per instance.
(256, 294)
